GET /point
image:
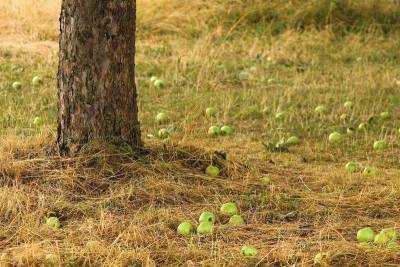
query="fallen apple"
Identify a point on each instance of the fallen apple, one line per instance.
(293, 140)
(163, 133)
(153, 79)
(265, 179)
(236, 220)
(159, 83)
(207, 216)
(53, 222)
(380, 145)
(335, 137)
(38, 121)
(385, 115)
(214, 131)
(351, 167)
(249, 251)
(319, 257)
(320, 109)
(348, 104)
(205, 228)
(350, 131)
(162, 118)
(391, 233)
(370, 171)
(16, 85)
(185, 229)
(211, 112)
(212, 171)
(362, 126)
(381, 239)
(280, 116)
(229, 209)
(36, 81)
(226, 130)
(366, 234)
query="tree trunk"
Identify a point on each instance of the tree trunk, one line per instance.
(96, 82)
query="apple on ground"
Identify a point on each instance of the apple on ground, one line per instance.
(265, 179)
(38, 121)
(350, 131)
(351, 167)
(335, 137)
(319, 257)
(37, 80)
(207, 216)
(214, 131)
(162, 118)
(205, 228)
(153, 79)
(212, 171)
(226, 130)
(362, 126)
(211, 112)
(185, 229)
(236, 220)
(280, 116)
(381, 239)
(366, 234)
(229, 209)
(293, 140)
(16, 85)
(370, 171)
(159, 83)
(385, 115)
(348, 104)
(391, 233)
(53, 222)
(163, 133)
(380, 145)
(249, 251)
(320, 109)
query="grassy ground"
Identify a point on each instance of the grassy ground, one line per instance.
(132, 204)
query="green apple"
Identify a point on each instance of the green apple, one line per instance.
(362, 126)
(53, 222)
(380, 145)
(335, 137)
(229, 209)
(17, 85)
(350, 131)
(348, 104)
(211, 112)
(249, 251)
(52, 259)
(320, 109)
(38, 121)
(36, 81)
(207, 216)
(163, 133)
(280, 116)
(153, 79)
(265, 179)
(226, 130)
(293, 140)
(236, 220)
(366, 234)
(159, 83)
(162, 118)
(370, 171)
(393, 245)
(185, 229)
(212, 171)
(244, 75)
(391, 233)
(205, 228)
(351, 167)
(385, 115)
(319, 257)
(381, 239)
(214, 131)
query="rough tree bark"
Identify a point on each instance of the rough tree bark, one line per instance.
(96, 82)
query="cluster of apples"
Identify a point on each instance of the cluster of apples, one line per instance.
(215, 130)
(385, 238)
(36, 81)
(159, 83)
(353, 167)
(163, 118)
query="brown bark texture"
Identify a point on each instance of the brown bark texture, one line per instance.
(97, 97)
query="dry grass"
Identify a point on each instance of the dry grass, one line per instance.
(314, 52)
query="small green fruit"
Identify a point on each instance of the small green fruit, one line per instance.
(226, 130)
(380, 145)
(211, 112)
(249, 251)
(350, 131)
(348, 104)
(319, 257)
(38, 121)
(293, 140)
(265, 179)
(229, 209)
(53, 222)
(153, 79)
(207, 216)
(320, 109)
(351, 167)
(381, 239)
(162, 118)
(362, 126)
(205, 228)
(370, 171)
(335, 137)
(163, 133)
(214, 131)
(366, 234)
(36, 81)
(280, 116)
(17, 85)
(236, 220)
(159, 83)
(391, 233)
(185, 229)
(212, 171)
(385, 115)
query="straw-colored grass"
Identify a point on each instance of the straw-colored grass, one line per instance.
(299, 54)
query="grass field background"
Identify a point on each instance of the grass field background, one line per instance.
(299, 54)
